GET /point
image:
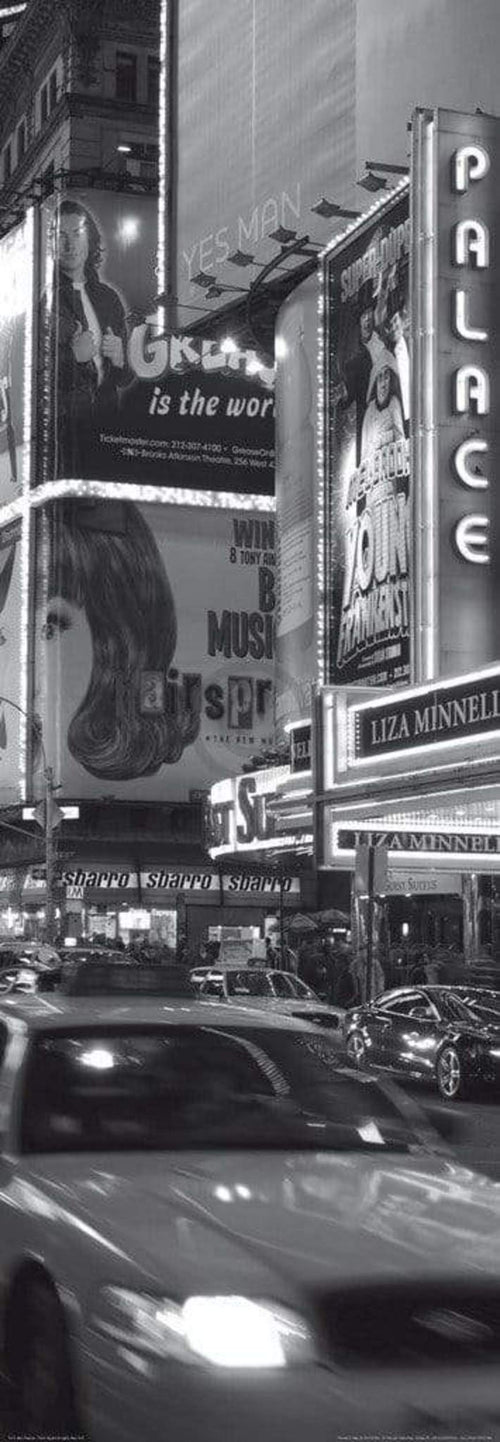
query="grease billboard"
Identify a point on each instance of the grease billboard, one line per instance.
(124, 400)
(154, 645)
(367, 491)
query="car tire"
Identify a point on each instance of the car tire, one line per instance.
(41, 1363)
(356, 1049)
(450, 1076)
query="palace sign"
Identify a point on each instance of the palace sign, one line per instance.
(456, 181)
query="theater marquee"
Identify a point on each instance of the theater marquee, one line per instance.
(455, 307)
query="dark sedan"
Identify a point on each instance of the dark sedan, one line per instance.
(446, 1034)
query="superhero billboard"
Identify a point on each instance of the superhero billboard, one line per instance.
(367, 492)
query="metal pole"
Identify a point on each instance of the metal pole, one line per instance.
(369, 937)
(49, 856)
(282, 921)
(172, 164)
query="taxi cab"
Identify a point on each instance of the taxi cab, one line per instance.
(210, 1226)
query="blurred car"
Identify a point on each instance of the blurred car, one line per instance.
(199, 974)
(271, 990)
(203, 1209)
(112, 977)
(447, 1035)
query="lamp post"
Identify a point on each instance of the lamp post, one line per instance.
(48, 825)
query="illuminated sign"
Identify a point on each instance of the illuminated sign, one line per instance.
(456, 177)
(428, 718)
(240, 884)
(301, 748)
(365, 452)
(444, 843)
(240, 817)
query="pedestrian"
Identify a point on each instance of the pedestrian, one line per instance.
(271, 958)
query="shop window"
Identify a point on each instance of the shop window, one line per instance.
(126, 76)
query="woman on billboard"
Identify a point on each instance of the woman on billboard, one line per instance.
(85, 329)
(109, 610)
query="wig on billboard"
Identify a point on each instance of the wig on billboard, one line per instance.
(123, 398)
(368, 456)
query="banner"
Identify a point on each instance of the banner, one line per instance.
(10, 670)
(296, 409)
(124, 400)
(154, 645)
(254, 133)
(15, 306)
(367, 449)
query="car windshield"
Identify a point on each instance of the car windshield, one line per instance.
(481, 1006)
(201, 1087)
(461, 1008)
(249, 983)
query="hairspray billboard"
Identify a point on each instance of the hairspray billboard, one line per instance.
(154, 631)
(124, 399)
(367, 453)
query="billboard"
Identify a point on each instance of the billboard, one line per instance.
(16, 261)
(367, 454)
(296, 409)
(11, 725)
(124, 400)
(261, 137)
(154, 633)
(456, 300)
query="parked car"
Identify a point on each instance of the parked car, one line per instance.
(449, 1036)
(273, 990)
(206, 1219)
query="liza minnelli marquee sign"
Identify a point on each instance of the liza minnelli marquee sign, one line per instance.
(458, 712)
(456, 176)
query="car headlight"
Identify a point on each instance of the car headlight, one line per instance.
(227, 1331)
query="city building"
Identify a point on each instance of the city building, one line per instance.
(203, 166)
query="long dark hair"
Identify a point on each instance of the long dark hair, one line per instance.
(95, 255)
(104, 559)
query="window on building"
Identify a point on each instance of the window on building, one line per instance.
(153, 81)
(52, 91)
(47, 179)
(126, 76)
(22, 141)
(7, 162)
(44, 104)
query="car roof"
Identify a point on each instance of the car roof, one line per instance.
(39, 1012)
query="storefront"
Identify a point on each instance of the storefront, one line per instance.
(416, 774)
(115, 902)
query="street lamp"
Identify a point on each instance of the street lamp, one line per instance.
(48, 824)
